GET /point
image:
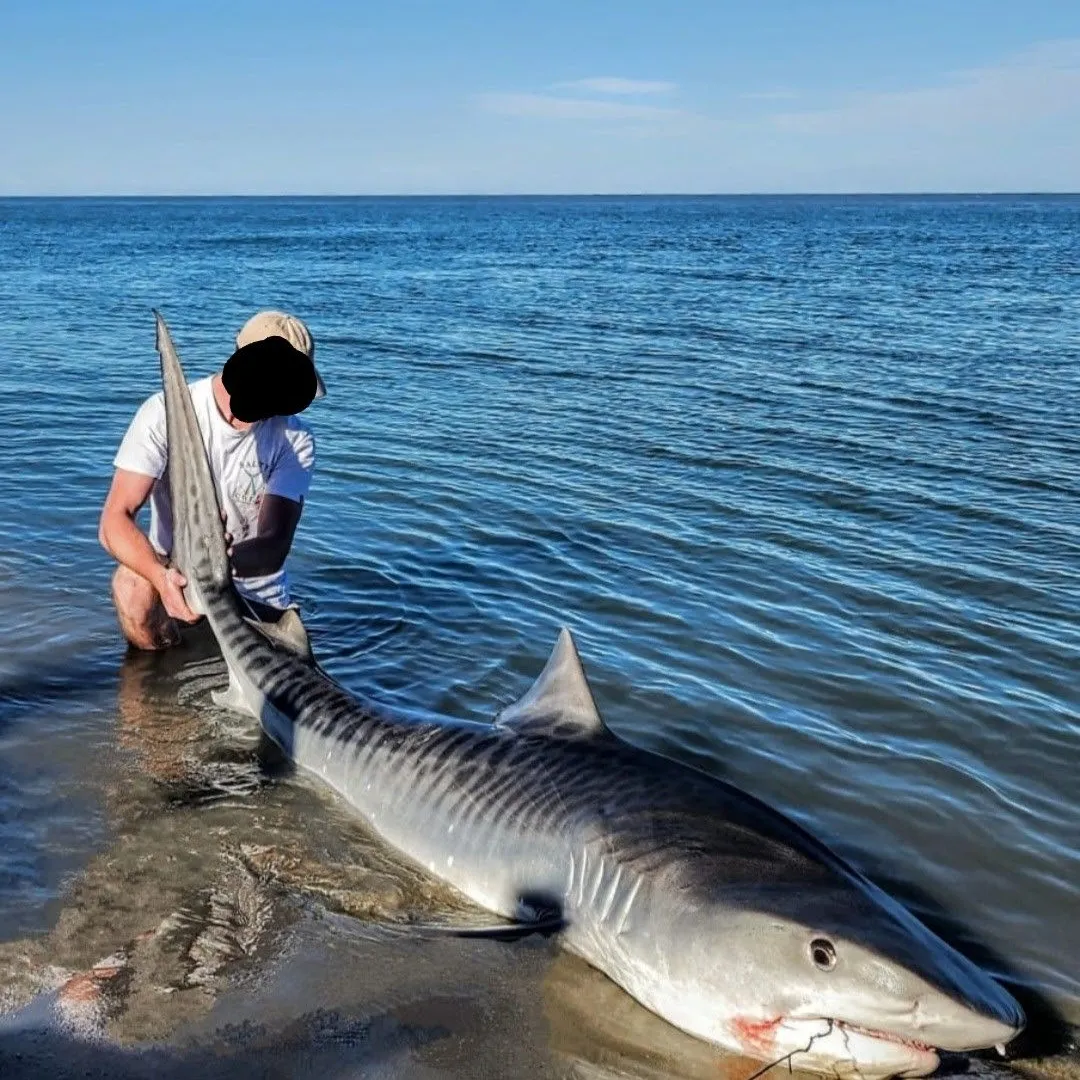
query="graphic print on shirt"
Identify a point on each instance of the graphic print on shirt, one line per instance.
(248, 490)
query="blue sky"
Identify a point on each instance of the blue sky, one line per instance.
(119, 97)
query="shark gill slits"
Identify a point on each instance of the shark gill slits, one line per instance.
(823, 954)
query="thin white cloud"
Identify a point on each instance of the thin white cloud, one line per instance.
(769, 95)
(1037, 83)
(612, 84)
(549, 107)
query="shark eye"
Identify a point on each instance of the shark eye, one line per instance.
(823, 953)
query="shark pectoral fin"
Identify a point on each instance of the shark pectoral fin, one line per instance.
(546, 923)
(288, 633)
(545, 926)
(560, 701)
(232, 697)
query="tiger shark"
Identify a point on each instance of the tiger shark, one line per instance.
(709, 907)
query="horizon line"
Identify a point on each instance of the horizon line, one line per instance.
(928, 193)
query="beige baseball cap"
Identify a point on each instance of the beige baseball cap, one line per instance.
(268, 324)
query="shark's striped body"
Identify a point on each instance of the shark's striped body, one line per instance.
(712, 909)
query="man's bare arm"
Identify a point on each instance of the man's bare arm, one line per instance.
(129, 545)
(265, 553)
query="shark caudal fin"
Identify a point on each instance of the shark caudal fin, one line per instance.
(198, 533)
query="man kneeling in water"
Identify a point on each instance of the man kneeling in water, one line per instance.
(262, 458)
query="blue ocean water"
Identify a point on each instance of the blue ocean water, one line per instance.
(802, 474)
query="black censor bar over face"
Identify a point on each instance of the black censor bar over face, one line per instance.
(268, 378)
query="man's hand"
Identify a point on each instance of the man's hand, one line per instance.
(127, 543)
(265, 552)
(170, 586)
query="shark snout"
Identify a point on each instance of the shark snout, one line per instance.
(994, 1018)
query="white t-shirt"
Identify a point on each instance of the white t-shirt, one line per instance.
(274, 456)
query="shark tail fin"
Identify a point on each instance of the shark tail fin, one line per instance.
(198, 532)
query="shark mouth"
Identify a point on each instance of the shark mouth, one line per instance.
(869, 1033)
(886, 1036)
(869, 1052)
(834, 1046)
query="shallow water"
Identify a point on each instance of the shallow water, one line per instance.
(802, 475)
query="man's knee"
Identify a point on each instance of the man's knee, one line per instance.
(133, 594)
(143, 619)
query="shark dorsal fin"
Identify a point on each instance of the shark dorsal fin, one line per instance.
(560, 701)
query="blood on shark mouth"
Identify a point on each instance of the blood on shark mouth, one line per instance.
(757, 1037)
